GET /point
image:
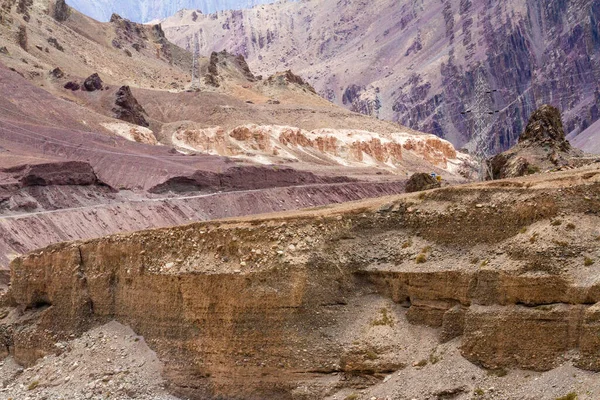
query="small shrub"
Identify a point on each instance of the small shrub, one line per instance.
(352, 396)
(570, 226)
(570, 396)
(556, 222)
(434, 358)
(479, 392)
(588, 262)
(533, 238)
(497, 372)
(384, 319)
(523, 230)
(371, 355)
(407, 244)
(485, 263)
(421, 258)
(426, 249)
(33, 385)
(421, 363)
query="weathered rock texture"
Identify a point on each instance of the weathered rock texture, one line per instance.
(92, 83)
(421, 181)
(323, 146)
(253, 309)
(418, 62)
(128, 109)
(541, 147)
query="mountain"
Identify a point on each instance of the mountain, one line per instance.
(147, 10)
(419, 62)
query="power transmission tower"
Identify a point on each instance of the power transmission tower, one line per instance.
(482, 115)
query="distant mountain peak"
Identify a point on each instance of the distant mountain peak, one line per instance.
(152, 10)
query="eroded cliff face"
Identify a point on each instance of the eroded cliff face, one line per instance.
(347, 147)
(262, 307)
(418, 62)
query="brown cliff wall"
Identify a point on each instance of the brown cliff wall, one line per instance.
(251, 309)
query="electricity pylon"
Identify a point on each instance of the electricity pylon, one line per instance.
(482, 115)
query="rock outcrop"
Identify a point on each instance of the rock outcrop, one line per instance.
(92, 83)
(128, 109)
(326, 146)
(61, 11)
(542, 146)
(421, 181)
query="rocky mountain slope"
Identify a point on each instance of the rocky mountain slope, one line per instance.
(147, 10)
(465, 285)
(102, 131)
(419, 62)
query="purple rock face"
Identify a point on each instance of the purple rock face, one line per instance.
(418, 63)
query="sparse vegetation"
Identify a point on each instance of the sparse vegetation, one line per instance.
(426, 249)
(523, 230)
(434, 358)
(33, 385)
(570, 226)
(485, 263)
(533, 238)
(421, 258)
(384, 319)
(556, 222)
(501, 372)
(570, 396)
(474, 260)
(421, 363)
(407, 244)
(352, 396)
(479, 392)
(588, 262)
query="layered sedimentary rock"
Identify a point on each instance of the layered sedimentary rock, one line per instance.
(327, 146)
(254, 308)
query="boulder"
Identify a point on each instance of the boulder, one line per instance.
(92, 83)
(128, 109)
(421, 181)
(72, 86)
(57, 73)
